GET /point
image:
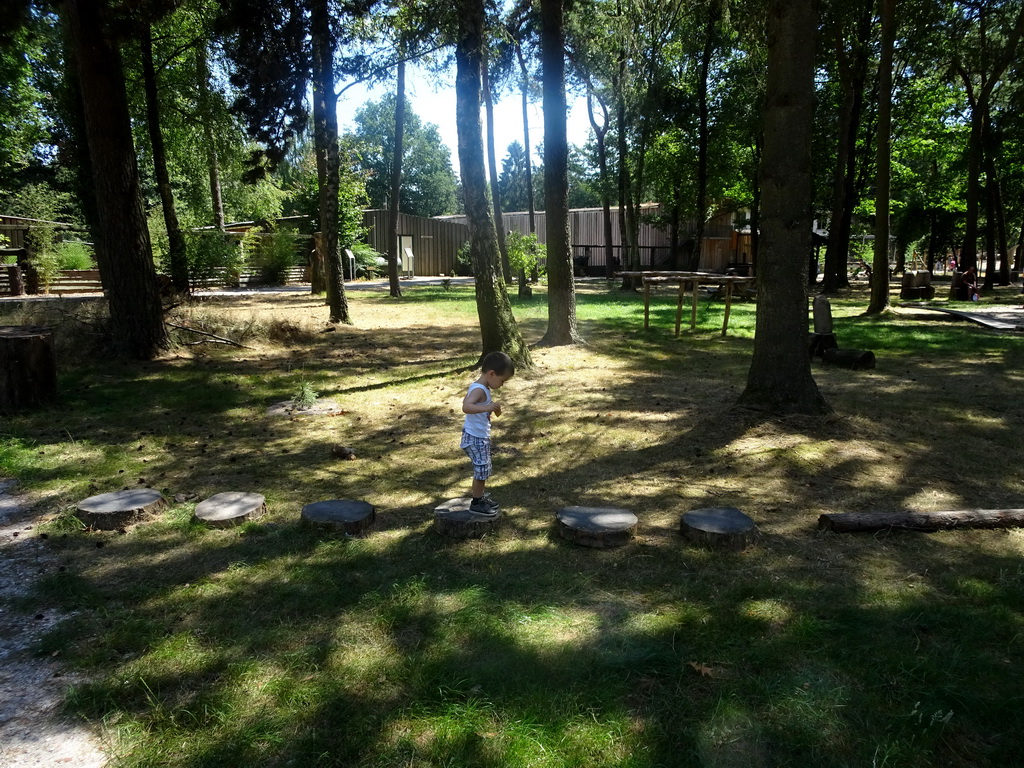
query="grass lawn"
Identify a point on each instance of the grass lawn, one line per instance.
(271, 645)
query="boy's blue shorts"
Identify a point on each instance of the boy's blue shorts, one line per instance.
(479, 451)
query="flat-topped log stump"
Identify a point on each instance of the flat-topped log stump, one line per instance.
(344, 515)
(718, 528)
(224, 510)
(854, 359)
(110, 511)
(453, 518)
(596, 526)
(28, 367)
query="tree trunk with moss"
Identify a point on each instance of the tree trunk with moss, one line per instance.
(498, 328)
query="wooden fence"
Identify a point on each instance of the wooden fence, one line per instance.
(86, 281)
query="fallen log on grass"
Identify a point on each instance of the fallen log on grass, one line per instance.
(851, 522)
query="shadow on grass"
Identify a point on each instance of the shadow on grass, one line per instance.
(273, 645)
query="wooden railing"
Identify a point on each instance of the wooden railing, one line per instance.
(69, 281)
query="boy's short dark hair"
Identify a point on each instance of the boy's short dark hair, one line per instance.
(498, 362)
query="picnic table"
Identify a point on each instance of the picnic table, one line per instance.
(693, 280)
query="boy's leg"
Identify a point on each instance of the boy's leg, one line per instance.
(479, 452)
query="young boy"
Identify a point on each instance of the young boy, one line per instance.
(496, 369)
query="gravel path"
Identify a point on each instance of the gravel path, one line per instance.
(33, 733)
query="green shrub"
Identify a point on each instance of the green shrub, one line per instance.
(271, 254)
(367, 261)
(525, 253)
(74, 255)
(463, 261)
(211, 253)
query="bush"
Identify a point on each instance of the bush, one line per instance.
(463, 262)
(272, 254)
(367, 261)
(74, 255)
(525, 253)
(210, 254)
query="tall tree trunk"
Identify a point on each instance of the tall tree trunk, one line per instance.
(703, 135)
(325, 139)
(780, 378)
(122, 241)
(880, 264)
(755, 207)
(562, 328)
(492, 167)
(397, 155)
(969, 249)
(498, 328)
(852, 77)
(531, 204)
(627, 245)
(990, 234)
(206, 116)
(600, 137)
(995, 237)
(176, 255)
(526, 138)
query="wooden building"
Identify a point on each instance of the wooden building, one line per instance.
(434, 243)
(722, 246)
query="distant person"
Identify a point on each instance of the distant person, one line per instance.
(967, 288)
(496, 369)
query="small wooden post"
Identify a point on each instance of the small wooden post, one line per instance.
(693, 310)
(679, 306)
(647, 305)
(728, 305)
(15, 280)
(28, 367)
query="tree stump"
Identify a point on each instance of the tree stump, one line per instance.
(453, 518)
(718, 528)
(820, 343)
(854, 359)
(110, 511)
(223, 510)
(345, 515)
(821, 311)
(598, 527)
(28, 368)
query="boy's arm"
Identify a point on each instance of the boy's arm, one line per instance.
(473, 403)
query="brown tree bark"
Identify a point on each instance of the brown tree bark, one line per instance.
(492, 167)
(176, 254)
(212, 159)
(600, 136)
(498, 328)
(780, 378)
(883, 171)
(562, 327)
(122, 238)
(853, 67)
(397, 154)
(325, 137)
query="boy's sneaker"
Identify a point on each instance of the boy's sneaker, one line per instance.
(485, 507)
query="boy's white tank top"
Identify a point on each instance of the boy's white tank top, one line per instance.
(478, 424)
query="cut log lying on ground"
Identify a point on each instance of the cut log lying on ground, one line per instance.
(850, 522)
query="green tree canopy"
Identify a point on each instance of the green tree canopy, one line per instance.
(428, 181)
